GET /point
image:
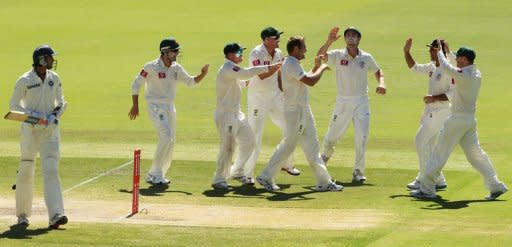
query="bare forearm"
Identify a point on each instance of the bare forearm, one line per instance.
(323, 49)
(409, 60)
(135, 100)
(379, 76)
(440, 97)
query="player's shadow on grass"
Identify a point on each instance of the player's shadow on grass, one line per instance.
(243, 191)
(155, 190)
(282, 196)
(22, 232)
(439, 203)
(356, 184)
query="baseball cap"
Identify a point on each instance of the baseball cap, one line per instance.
(169, 43)
(270, 32)
(352, 29)
(435, 44)
(466, 52)
(233, 48)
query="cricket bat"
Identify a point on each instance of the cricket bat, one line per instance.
(23, 117)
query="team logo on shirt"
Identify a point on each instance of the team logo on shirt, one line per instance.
(430, 74)
(344, 62)
(255, 112)
(143, 73)
(438, 77)
(50, 83)
(161, 75)
(453, 81)
(236, 68)
(334, 117)
(361, 64)
(266, 62)
(459, 70)
(256, 62)
(33, 86)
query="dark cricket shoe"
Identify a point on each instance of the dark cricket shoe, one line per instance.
(57, 221)
(422, 195)
(496, 194)
(22, 221)
(291, 170)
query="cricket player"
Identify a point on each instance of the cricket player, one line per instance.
(460, 128)
(299, 120)
(38, 93)
(159, 78)
(352, 66)
(437, 105)
(264, 98)
(231, 123)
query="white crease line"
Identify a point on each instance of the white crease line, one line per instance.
(100, 175)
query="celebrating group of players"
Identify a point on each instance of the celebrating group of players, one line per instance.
(278, 88)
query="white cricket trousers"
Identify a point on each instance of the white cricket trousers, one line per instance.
(46, 141)
(233, 130)
(349, 109)
(300, 128)
(458, 129)
(163, 117)
(259, 106)
(434, 116)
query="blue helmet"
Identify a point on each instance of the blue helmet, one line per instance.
(40, 53)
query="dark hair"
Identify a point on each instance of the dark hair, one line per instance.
(294, 41)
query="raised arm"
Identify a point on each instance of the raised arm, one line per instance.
(407, 53)
(331, 38)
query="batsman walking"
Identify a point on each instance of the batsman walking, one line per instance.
(38, 93)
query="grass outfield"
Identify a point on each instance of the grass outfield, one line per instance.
(103, 45)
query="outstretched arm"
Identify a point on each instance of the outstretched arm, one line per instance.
(204, 71)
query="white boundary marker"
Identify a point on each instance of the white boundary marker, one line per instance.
(99, 176)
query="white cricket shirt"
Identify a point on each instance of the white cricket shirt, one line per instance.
(351, 73)
(33, 94)
(160, 81)
(295, 91)
(260, 56)
(228, 85)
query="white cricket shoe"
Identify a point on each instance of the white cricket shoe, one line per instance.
(494, 195)
(248, 181)
(223, 185)
(57, 220)
(244, 180)
(422, 195)
(358, 176)
(268, 185)
(156, 181)
(291, 170)
(414, 185)
(23, 220)
(329, 187)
